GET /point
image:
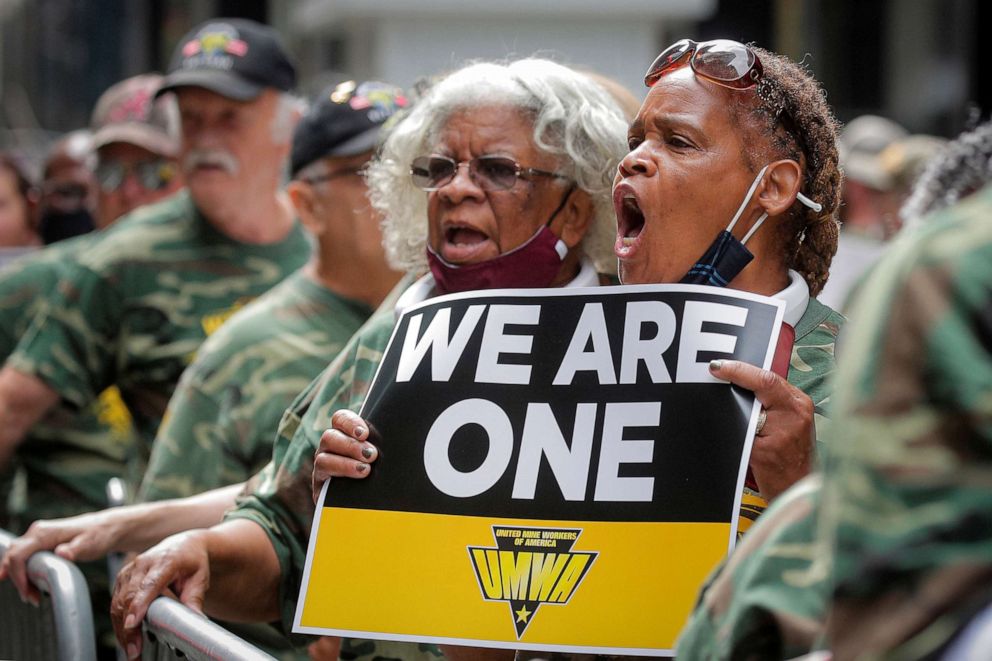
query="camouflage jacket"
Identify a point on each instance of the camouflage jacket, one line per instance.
(223, 417)
(69, 456)
(279, 498)
(907, 496)
(134, 307)
(767, 600)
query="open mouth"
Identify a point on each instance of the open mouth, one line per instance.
(464, 236)
(464, 244)
(630, 221)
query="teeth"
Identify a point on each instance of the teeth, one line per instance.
(628, 240)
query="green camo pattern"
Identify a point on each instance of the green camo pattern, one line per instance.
(811, 368)
(65, 461)
(759, 601)
(223, 417)
(767, 600)
(135, 306)
(279, 498)
(67, 458)
(907, 504)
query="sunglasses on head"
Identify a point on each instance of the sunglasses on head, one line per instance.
(721, 61)
(152, 175)
(491, 173)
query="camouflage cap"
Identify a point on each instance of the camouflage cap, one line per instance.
(129, 112)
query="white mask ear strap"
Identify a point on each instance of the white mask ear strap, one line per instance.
(754, 229)
(815, 206)
(747, 198)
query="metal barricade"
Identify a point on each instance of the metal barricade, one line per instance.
(173, 631)
(61, 627)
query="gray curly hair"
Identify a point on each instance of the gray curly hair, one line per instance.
(961, 168)
(575, 120)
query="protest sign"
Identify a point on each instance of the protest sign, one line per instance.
(558, 470)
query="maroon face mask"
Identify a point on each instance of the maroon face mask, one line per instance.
(535, 263)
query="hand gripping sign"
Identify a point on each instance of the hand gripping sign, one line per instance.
(558, 470)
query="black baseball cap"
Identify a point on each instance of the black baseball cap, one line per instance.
(344, 120)
(234, 57)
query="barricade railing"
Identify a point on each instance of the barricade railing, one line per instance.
(173, 631)
(61, 626)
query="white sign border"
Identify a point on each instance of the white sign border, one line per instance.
(779, 304)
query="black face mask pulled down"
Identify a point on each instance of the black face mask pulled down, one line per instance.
(59, 225)
(727, 255)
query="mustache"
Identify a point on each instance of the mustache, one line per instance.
(219, 158)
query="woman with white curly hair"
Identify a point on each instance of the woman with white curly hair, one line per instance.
(511, 168)
(500, 177)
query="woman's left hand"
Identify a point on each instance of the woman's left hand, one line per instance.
(784, 447)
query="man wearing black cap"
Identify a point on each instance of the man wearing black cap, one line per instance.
(224, 413)
(133, 308)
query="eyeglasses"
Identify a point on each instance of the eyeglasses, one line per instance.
(721, 61)
(152, 175)
(490, 173)
(336, 174)
(67, 191)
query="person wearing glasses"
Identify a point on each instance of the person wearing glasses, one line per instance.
(223, 416)
(136, 138)
(731, 180)
(131, 308)
(499, 177)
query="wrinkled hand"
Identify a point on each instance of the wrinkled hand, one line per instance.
(180, 563)
(784, 450)
(77, 539)
(344, 450)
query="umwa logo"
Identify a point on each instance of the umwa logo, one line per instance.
(530, 567)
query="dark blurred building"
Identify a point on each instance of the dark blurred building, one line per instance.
(913, 60)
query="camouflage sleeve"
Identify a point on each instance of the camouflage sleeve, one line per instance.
(71, 343)
(767, 600)
(907, 503)
(191, 453)
(282, 502)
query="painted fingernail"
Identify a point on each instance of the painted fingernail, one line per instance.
(367, 452)
(132, 651)
(129, 622)
(361, 468)
(715, 365)
(359, 432)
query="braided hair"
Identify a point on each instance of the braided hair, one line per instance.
(790, 110)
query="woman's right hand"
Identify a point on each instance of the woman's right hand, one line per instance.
(180, 563)
(344, 450)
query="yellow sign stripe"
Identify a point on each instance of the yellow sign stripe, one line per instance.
(417, 578)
